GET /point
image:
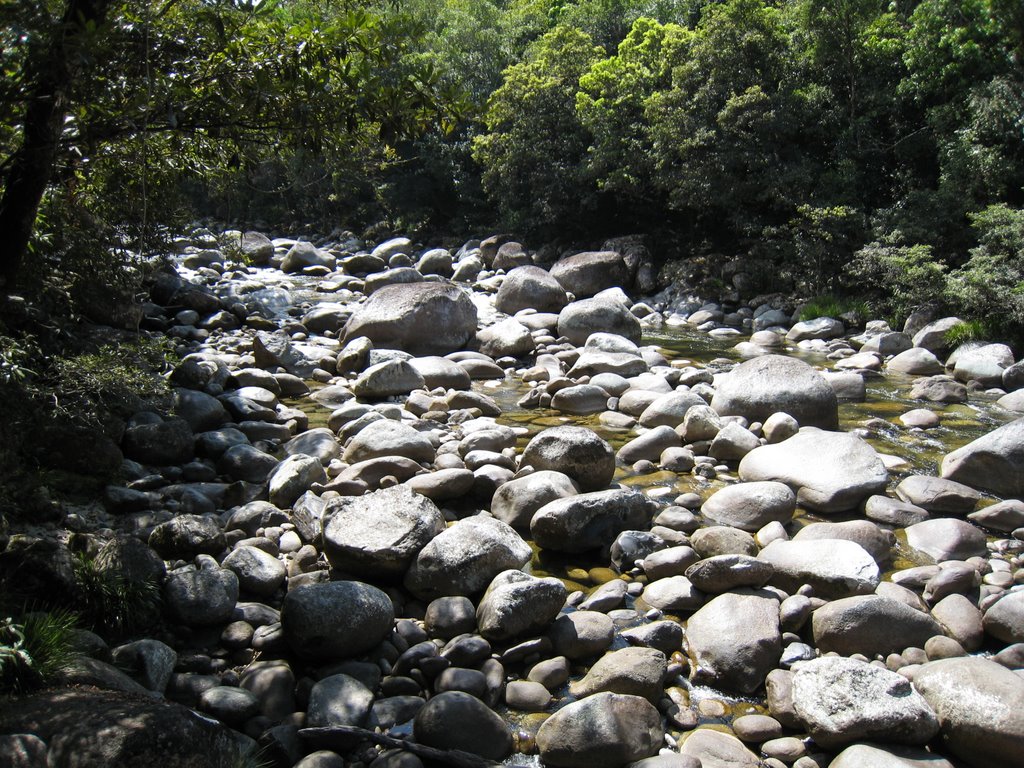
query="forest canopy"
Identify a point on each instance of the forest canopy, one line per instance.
(836, 146)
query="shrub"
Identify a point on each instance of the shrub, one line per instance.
(111, 603)
(34, 647)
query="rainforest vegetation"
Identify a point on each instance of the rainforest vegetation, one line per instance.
(847, 147)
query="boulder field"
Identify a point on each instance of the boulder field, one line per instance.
(412, 506)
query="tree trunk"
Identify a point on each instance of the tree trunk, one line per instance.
(49, 74)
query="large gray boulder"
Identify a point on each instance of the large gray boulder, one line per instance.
(378, 535)
(581, 318)
(870, 624)
(606, 730)
(387, 437)
(336, 619)
(716, 749)
(589, 273)
(980, 706)
(765, 385)
(517, 604)
(946, 538)
(834, 567)
(530, 288)
(735, 641)
(89, 727)
(750, 506)
(993, 462)
(391, 377)
(631, 671)
(419, 318)
(590, 520)
(888, 756)
(456, 720)
(843, 701)
(580, 453)
(830, 471)
(516, 501)
(463, 559)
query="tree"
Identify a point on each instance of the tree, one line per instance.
(201, 87)
(535, 145)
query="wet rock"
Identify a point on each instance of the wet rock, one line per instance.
(589, 733)
(980, 706)
(335, 619)
(764, 385)
(735, 641)
(844, 701)
(830, 471)
(577, 452)
(463, 559)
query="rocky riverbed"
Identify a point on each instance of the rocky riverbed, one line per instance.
(543, 516)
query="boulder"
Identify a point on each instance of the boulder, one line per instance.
(630, 671)
(505, 338)
(980, 706)
(391, 377)
(516, 501)
(530, 288)
(843, 701)
(750, 506)
(580, 453)
(465, 558)
(757, 388)
(201, 598)
(335, 620)
(735, 641)
(888, 756)
(946, 539)
(870, 624)
(581, 318)
(338, 700)
(160, 443)
(993, 462)
(876, 541)
(517, 604)
(292, 478)
(589, 733)
(1004, 619)
(419, 318)
(387, 437)
(834, 567)
(379, 534)
(830, 471)
(89, 727)
(303, 254)
(590, 520)
(589, 273)
(915, 362)
(456, 720)
(933, 336)
(716, 749)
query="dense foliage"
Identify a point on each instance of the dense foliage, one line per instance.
(836, 146)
